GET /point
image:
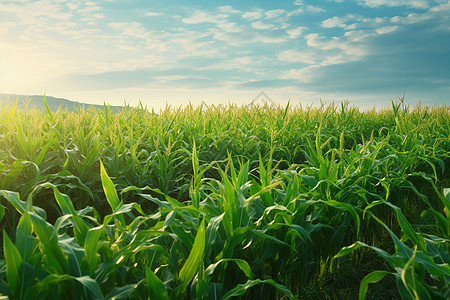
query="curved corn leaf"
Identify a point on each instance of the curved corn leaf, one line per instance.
(241, 289)
(372, 277)
(190, 267)
(108, 188)
(242, 264)
(156, 288)
(56, 259)
(13, 264)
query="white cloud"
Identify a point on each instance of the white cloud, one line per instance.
(307, 56)
(357, 35)
(88, 9)
(295, 12)
(72, 5)
(340, 22)
(410, 3)
(337, 50)
(192, 42)
(314, 9)
(261, 25)
(152, 14)
(201, 16)
(228, 9)
(248, 36)
(229, 27)
(243, 60)
(304, 75)
(253, 15)
(29, 12)
(441, 7)
(411, 18)
(310, 8)
(335, 22)
(372, 22)
(296, 32)
(131, 29)
(271, 14)
(317, 41)
(385, 29)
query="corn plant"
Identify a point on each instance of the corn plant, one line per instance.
(216, 202)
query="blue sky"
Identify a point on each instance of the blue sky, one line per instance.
(365, 51)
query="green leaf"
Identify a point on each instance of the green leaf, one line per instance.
(75, 255)
(57, 260)
(373, 277)
(261, 233)
(408, 229)
(14, 199)
(110, 192)
(13, 108)
(67, 208)
(43, 152)
(446, 198)
(349, 249)
(13, 263)
(2, 212)
(123, 292)
(48, 111)
(190, 267)
(91, 285)
(242, 264)
(241, 289)
(156, 288)
(11, 178)
(109, 189)
(90, 246)
(41, 289)
(347, 207)
(24, 237)
(63, 200)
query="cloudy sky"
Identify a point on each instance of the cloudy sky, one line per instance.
(365, 51)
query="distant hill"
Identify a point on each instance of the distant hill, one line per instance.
(37, 102)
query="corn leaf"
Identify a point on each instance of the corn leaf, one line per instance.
(155, 287)
(372, 277)
(13, 264)
(190, 267)
(109, 189)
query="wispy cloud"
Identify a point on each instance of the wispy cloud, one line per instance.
(411, 3)
(201, 16)
(441, 7)
(339, 22)
(152, 14)
(261, 25)
(296, 32)
(228, 9)
(253, 15)
(102, 45)
(306, 56)
(309, 8)
(275, 13)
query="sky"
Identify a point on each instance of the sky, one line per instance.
(367, 52)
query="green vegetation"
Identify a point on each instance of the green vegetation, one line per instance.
(37, 102)
(223, 201)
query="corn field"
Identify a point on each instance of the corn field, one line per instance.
(216, 202)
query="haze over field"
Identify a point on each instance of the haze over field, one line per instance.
(366, 51)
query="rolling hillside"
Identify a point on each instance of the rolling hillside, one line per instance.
(37, 101)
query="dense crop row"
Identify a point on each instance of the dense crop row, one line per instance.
(222, 201)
